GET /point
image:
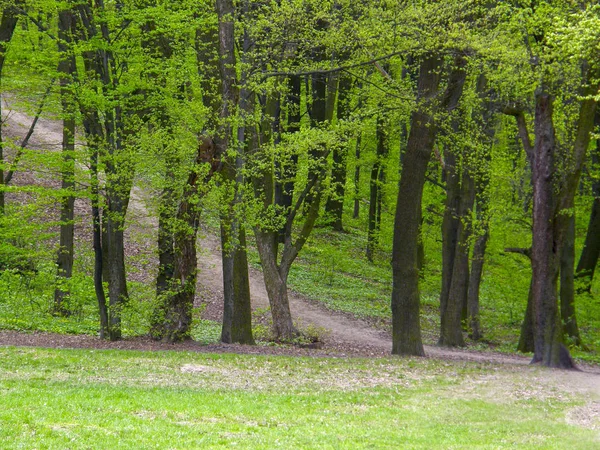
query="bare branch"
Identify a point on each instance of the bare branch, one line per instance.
(25, 141)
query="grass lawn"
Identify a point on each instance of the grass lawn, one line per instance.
(53, 398)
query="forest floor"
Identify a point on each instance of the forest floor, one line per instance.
(343, 335)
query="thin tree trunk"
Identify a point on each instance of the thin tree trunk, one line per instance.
(93, 131)
(450, 225)
(479, 248)
(567, 285)
(356, 210)
(590, 253)
(66, 67)
(526, 338)
(7, 28)
(241, 323)
(335, 203)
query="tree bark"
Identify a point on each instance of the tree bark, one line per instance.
(590, 253)
(375, 187)
(451, 319)
(7, 28)
(479, 248)
(176, 304)
(66, 68)
(526, 337)
(335, 203)
(406, 325)
(567, 284)
(545, 248)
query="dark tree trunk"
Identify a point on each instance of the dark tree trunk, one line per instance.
(588, 260)
(176, 303)
(286, 170)
(101, 64)
(241, 323)
(276, 284)
(166, 251)
(479, 249)
(66, 67)
(237, 326)
(406, 325)
(567, 285)
(450, 225)
(356, 210)
(548, 347)
(115, 249)
(335, 203)
(7, 28)
(451, 319)
(375, 189)
(526, 338)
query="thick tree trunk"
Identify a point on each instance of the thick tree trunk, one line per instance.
(567, 285)
(548, 347)
(406, 325)
(176, 304)
(166, 251)
(276, 285)
(451, 319)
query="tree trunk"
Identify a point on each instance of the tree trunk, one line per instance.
(66, 67)
(115, 249)
(479, 249)
(567, 285)
(286, 170)
(356, 209)
(526, 338)
(335, 203)
(166, 251)
(375, 189)
(406, 325)
(451, 319)
(548, 347)
(241, 323)
(450, 225)
(7, 28)
(276, 285)
(590, 253)
(176, 304)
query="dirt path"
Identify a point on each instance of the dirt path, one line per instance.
(343, 331)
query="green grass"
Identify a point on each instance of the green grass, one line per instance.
(122, 399)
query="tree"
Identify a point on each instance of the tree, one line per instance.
(66, 69)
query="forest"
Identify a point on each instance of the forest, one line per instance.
(430, 167)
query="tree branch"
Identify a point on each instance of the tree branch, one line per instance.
(519, 115)
(25, 141)
(519, 250)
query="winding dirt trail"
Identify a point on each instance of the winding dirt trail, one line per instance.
(349, 332)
